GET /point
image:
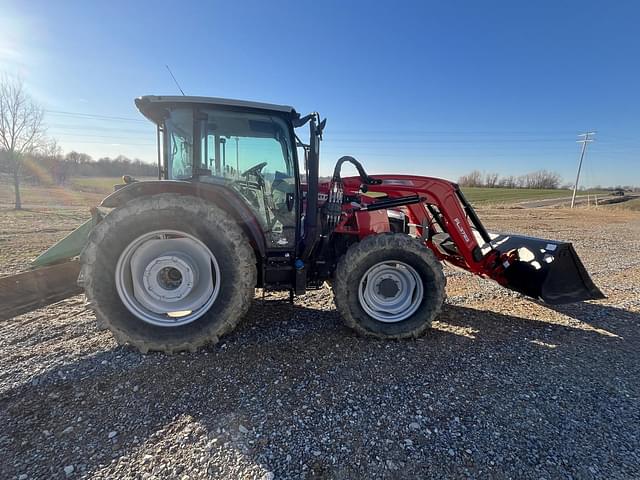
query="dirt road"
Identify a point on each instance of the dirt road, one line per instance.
(501, 387)
(563, 201)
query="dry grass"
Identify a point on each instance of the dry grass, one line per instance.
(631, 205)
(103, 185)
(48, 197)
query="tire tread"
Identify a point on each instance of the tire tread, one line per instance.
(244, 291)
(357, 254)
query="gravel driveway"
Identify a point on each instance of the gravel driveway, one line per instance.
(502, 387)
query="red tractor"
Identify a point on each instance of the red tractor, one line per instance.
(172, 264)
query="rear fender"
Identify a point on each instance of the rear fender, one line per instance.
(218, 194)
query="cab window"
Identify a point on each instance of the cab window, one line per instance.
(179, 138)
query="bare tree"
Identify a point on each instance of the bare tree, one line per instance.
(491, 180)
(21, 127)
(538, 179)
(508, 182)
(473, 179)
(50, 148)
(522, 181)
(544, 179)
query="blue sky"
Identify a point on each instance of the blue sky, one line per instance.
(432, 88)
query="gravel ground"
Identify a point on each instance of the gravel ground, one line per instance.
(501, 387)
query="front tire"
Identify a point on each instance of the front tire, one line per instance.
(389, 286)
(168, 273)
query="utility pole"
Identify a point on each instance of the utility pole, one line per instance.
(584, 140)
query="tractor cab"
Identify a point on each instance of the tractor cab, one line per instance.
(248, 147)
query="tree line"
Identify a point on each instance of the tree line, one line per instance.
(540, 179)
(60, 168)
(52, 167)
(26, 152)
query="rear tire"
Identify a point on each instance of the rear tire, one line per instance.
(204, 223)
(389, 286)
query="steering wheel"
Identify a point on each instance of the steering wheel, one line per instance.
(255, 170)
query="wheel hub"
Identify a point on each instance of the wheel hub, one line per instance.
(167, 278)
(388, 288)
(390, 291)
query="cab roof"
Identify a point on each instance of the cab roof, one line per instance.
(150, 105)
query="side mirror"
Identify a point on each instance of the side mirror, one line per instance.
(321, 126)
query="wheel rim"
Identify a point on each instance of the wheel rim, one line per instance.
(167, 278)
(390, 291)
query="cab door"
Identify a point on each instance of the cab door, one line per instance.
(253, 153)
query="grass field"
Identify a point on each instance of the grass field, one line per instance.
(48, 197)
(92, 189)
(102, 185)
(474, 195)
(512, 195)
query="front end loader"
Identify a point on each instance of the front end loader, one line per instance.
(172, 264)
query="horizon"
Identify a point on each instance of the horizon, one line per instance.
(426, 89)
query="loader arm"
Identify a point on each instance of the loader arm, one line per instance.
(449, 226)
(450, 214)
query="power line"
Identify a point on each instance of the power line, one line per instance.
(116, 143)
(453, 141)
(454, 132)
(86, 128)
(339, 133)
(92, 116)
(91, 135)
(347, 132)
(70, 130)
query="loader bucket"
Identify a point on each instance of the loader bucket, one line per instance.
(545, 270)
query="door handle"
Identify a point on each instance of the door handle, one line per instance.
(290, 201)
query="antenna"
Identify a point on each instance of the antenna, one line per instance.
(174, 79)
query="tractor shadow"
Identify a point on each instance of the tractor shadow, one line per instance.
(289, 368)
(578, 321)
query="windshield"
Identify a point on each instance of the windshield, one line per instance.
(230, 145)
